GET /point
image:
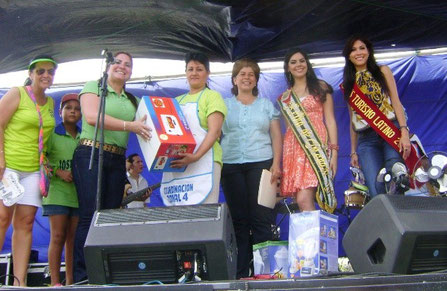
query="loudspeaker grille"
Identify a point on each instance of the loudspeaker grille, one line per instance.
(125, 267)
(429, 254)
(155, 215)
(418, 203)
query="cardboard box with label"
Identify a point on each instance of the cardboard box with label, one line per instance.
(170, 133)
(313, 243)
(271, 258)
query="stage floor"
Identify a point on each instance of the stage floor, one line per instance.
(340, 281)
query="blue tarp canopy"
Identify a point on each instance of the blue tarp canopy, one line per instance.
(226, 30)
(422, 87)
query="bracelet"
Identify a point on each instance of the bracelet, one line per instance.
(353, 153)
(333, 146)
(124, 126)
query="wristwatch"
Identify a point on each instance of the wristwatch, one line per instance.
(405, 126)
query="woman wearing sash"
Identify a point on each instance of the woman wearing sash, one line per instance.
(204, 110)
(26, 121)
(251, 142)
(310, 143)
(368, 149)
(120, 108)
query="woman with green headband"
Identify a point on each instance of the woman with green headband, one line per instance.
(26, 121)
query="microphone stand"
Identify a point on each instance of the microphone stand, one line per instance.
(100, 125)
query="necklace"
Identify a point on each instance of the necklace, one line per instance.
(301, 93)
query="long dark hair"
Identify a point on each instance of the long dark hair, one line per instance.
(318, 88)
(371, 65)
(129, 95)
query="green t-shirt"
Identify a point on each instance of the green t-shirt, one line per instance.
(210, 101)
(117, 106)
(21, 138)
(60, 148)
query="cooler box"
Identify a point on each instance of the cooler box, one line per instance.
(313, 243)
(170, 133)
(271, 257)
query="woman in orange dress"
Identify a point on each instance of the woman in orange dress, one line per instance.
(299, 179)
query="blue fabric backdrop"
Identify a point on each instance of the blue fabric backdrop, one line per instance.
(422, 86)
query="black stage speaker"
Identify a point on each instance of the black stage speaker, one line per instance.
(168, 244)
(398, 234)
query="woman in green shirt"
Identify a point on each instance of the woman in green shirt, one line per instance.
(20, 127)
(204, 111)
(120, 108)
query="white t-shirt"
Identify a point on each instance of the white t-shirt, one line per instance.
(137, 186)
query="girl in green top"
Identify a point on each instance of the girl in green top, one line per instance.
(19, 153)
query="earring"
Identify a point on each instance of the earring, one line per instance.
(289, 77)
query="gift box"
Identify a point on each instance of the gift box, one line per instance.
(170, 133)
(313, 243)
(271, 257)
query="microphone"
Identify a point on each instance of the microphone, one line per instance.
(110, 59)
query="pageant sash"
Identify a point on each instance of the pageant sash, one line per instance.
(312, 146)
(378, 121)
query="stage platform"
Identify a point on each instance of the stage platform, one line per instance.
(339, 281)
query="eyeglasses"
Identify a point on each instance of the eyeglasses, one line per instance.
(49, 71)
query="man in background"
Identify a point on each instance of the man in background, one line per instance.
(134, 166)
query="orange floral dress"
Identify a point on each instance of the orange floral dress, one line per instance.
(297, 170)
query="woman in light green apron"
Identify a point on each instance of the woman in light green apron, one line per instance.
(205, 111)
